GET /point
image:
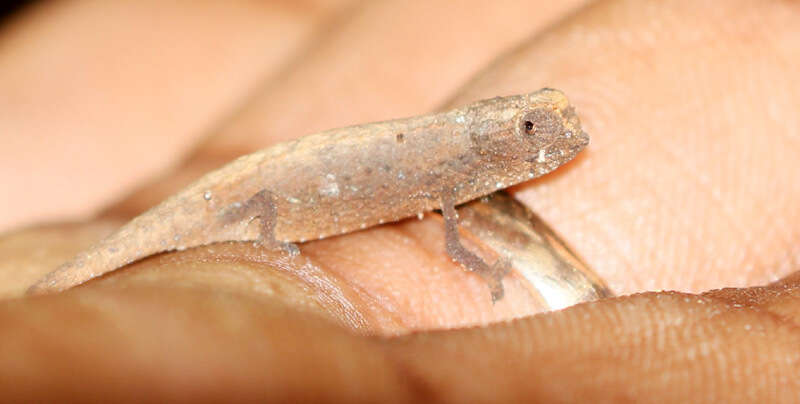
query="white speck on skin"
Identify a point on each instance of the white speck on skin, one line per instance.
(207, 195)
(542, 157)
(292, 199)
(330, 187)
(460, 119)
(420, 215)
(401, 175)
(176, 237)
(531, 174)
(380, 221)
(363, 225)
(499, 185)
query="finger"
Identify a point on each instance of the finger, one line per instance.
(186, 343)
(659, 347)
(690, 181)
(386, 281)
(127, 87)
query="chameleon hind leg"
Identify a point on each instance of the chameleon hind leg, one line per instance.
(263, 205)
(494, 274)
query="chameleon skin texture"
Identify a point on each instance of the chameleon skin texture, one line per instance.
(347, 179)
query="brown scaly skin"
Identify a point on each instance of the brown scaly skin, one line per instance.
(343, 180)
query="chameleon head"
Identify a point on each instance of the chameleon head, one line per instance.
(548, 131)
(524, 136)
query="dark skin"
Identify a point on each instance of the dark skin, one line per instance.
(689, 184)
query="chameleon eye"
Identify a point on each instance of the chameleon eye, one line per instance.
(540, 125)
(528, 125)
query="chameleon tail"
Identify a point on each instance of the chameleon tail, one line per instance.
(193, 217)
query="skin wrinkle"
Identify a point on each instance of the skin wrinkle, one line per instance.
(384, 308)
(761, 311)
(760, 297)
(387, 299)
(326, 291)
(384, 303)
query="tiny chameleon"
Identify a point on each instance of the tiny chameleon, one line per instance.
(343, 180)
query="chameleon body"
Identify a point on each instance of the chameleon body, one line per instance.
(347, 179)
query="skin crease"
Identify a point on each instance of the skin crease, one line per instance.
(206, 324)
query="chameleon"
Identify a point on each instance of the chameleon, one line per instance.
(344, 180)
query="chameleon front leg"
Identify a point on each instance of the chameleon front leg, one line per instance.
(493, 275)
(262, 206)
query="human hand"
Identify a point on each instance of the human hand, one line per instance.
(688, 185)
